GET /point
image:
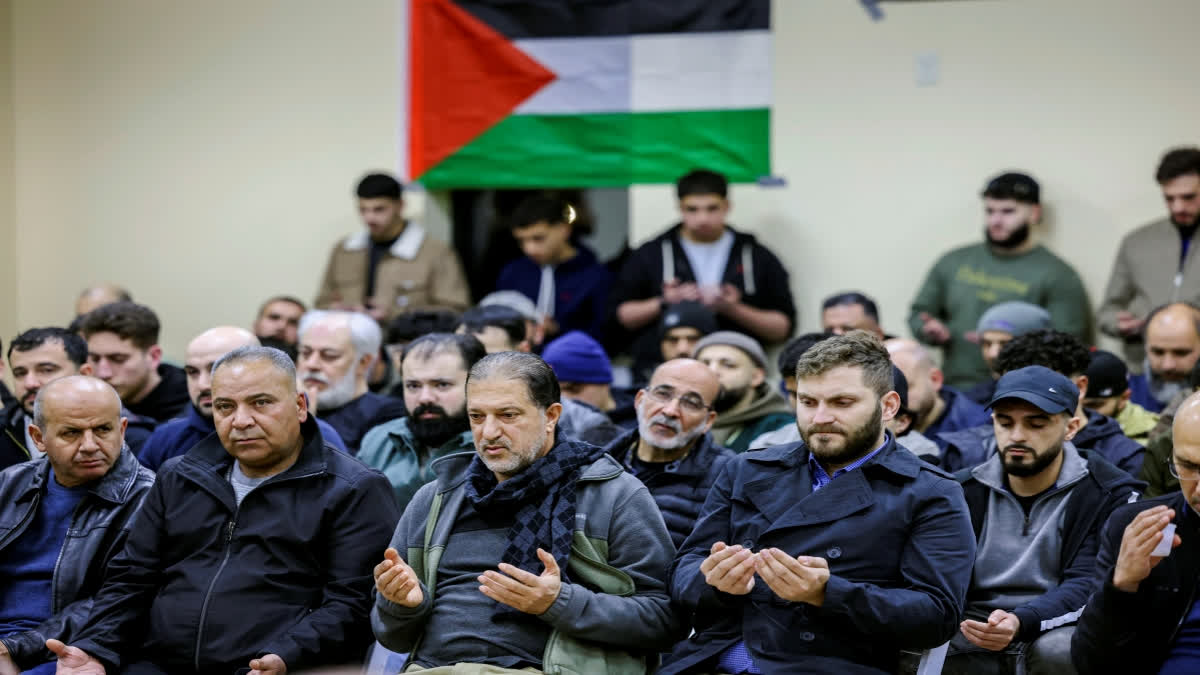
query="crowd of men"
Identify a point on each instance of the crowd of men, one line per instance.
(471, 488)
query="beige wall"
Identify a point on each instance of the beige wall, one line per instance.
(8, 223)
(203, 153)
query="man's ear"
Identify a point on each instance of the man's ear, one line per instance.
(35, 432)
(760, 376)
(708, 422)
(524, 346)
(301, 405)
(1081, 383)
(553, 414)
(1074, 424)
(937, 378)
(86, 369)
(155, 354)
(364, 364)
(891, 405)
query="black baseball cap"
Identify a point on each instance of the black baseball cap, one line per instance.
(1107, 375)
(1017, 186)
(1051, 392)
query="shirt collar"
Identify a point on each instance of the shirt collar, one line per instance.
(821, 479)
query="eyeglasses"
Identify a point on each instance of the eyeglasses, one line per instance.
(1187, 471)
(664, 394)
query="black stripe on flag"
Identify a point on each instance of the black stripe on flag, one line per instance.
(520, 19)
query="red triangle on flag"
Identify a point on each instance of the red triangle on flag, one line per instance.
(464, 78)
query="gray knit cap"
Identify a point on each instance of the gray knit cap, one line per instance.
(1015, 318)
(735, 339)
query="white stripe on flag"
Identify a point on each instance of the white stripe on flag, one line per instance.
(652, 73)
(702, 71)
(592, 75)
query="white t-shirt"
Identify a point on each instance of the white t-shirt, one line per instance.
(243, 484)
(708, 261)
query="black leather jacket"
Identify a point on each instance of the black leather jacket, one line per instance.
(95, 534)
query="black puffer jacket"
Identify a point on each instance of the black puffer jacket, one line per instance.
(96, 533)
(205, 585)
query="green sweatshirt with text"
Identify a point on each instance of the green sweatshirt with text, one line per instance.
(965, 282)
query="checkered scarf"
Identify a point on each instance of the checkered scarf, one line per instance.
(543, 499)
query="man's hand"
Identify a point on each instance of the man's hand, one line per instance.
(729, 569)
(799, 579)
(1128, 324)
(7, 667)
(675, 292)
(726, 298)
(994, 634)
(934, 331)
(73, 660)
(521, 590)
(270, 664)
(1142, 534)
(396, 581)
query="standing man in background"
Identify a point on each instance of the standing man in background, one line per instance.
(394, 266)
(1009, 265)
(1153, 265)
(703, 259)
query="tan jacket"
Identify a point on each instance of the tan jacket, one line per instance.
(419, 272)
(1144, 277)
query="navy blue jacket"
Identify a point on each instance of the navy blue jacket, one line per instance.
(680, 489)
(359, 416)
(971, 447)
(581, 287)
(898, 540)
(177, 436)
(1092, 500)
(960, 413)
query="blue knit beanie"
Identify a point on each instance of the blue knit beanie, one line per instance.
(577, 357)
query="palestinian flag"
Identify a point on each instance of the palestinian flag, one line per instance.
(584, 93)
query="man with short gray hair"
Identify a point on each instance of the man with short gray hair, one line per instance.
(532, 552)
(88, 484)
(253, 549)
(336, 352)
(837, 551)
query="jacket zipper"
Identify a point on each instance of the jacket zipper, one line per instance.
(20, 443)
(208, 594)
(55, 607)
(225, 560)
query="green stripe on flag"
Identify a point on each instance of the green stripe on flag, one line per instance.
(614, 149)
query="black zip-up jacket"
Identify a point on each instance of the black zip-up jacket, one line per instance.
(1123, 632)
(95, 534)
(204, 585)
(752, 268)
(1092, 500)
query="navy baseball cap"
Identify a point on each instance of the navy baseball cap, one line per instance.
(1051, 392)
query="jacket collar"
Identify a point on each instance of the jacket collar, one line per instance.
(114, 487)
(210, 458)
(1074, 468)
(772, 402)
(785, 495)
(406, 246)
(695, 463)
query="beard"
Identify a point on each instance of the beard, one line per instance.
(1041, 460)
(435, 432)
(1185, 224)
(517, 461)
(1013, 240)
(336, 394)
(729, 398)
(681, 439)
(855, 443)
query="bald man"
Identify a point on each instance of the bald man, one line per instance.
(98, 296)
(1145, 617)
(87, 483)
(1172, 348)
(671, 450)
(177, 436)
(937, 406)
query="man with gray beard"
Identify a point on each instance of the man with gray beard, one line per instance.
(337, 350)
(671, 451)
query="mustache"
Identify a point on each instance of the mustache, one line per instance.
(665, 421)
(425, 408)
(825, 429)
(314, 375)
(1018, 446)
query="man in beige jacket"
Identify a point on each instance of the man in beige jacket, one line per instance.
(394, 266)
(1155, 265)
